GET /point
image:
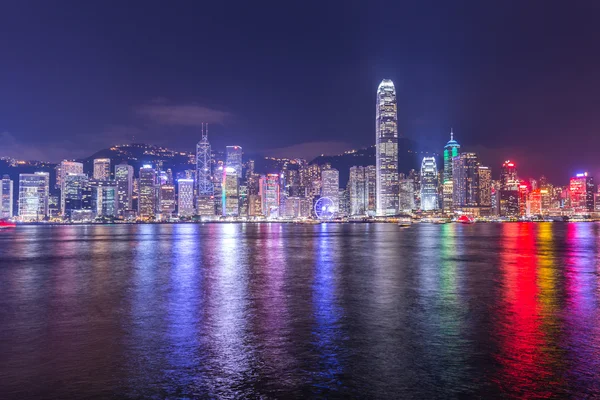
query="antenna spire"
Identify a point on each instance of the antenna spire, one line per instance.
(451, 134)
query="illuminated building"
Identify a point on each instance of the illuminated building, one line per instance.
(230, 192)
(359, 186)
(429, 184)
(344, 205)
(269, 195)
(597, 200)
(297, 207)
(147, 192)
(386, 149)
(204, 179)
(509, 190)
(234, 159)
(407, 194)
(33, 196)
(104, 197)
(523, 197)
(450, 151)
(254, 205)
(485, 186)
(243, 201)
(218, 188)
(124, 182)
(167, 202)
(102, 169)
(310, 177)
(535, 202)
(330, 181)
(73, 185)
(185, 199)
(495, 197)
(6, 197)
(465, 175)
(581, 193)
(66, 167)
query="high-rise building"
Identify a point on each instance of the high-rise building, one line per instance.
(6, 197)
(524, 189)
(124, 182)
(64, 168)
(73, 185)
(465, 176)
(104, 198)
(147, 194)
(254, 205)
(166, 201)
(230, 191)
(234, 159)
(485, 186)
(33, 196)
(581, 193)
(429, 184)
(358, 191)
(509, 190)
(102, 169)
(330, 181)
(269, 195)
(204, 178)
(185, 199)
(310, 177)
(386, 149)
(450, 151)
(407, 193)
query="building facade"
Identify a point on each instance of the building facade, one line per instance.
(429, 184)
(386, 149)
(124, 182)
(6, 197)
(102, 169)
(147, 194)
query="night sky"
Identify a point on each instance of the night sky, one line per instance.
(517, 80)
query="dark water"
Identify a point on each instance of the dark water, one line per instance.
(279, 311)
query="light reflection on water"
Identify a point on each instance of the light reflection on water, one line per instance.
(275, 310)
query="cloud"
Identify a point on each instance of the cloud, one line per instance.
(309, 150)
(182, 114)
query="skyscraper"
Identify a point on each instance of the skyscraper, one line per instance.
(386, 149)
(102, 169)
(485, 186)
(581, 191)
(358, 190)
(234, 159)
(104, 198)
(124, 181)
(330, 181)
(465, 176)
(509, 190)
(269, 195)
(64, 168)
(73, 185)
(6, 197)
(429, 184)
(185, 199)
(166, 201)
(450, 151)
(147, 196)
(205, 200)
(33, 196)
(230, 192)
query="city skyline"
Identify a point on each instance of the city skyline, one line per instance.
(503, 99)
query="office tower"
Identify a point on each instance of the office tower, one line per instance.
(33, 196)
(234, 159)
(185, 199)
(102, 169)
(407, 194)
(65, 168)
(166, 202)
(509, 190)
(485, 186)
(204, 178)
(358, 191)
(135, 194)
(535, 202)
(495, 197)
(73, 185)
(465, 176)
(124, 182)
(524, 190)
(104, 198)
(297, 207)
(330, 181)
(243, 201)
(230, 192)
(416, 178)
(6, 197)
(254, 205)
(147, 192)
(344, 206)
(581, 190)
(597, 200)
(269, 195)
(386, 149)
(429, 184)
(450, 151)
(310, 177)
(218, 190)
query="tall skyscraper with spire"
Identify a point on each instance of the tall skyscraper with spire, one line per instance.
(450, 151)
(386, 149)
(205, 201)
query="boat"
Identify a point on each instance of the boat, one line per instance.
(405, 222)
(4, 224)
(465, 219)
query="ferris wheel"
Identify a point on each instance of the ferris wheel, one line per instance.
(325, 208)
